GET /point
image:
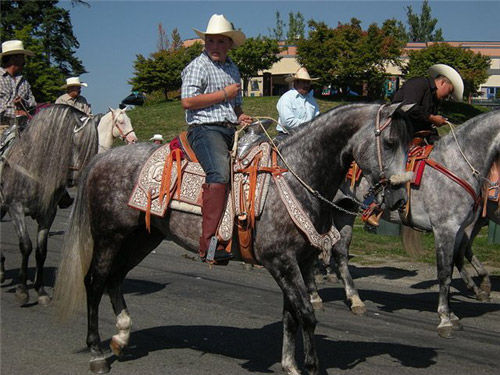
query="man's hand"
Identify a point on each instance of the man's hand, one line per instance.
(244, 119)
(233, 90)
(438, 120)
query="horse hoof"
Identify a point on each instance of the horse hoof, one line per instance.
(2, 277)
(332, 278)
(99, 365)
(291, 370)
(486, 288)
(116, 348)
(319, 279)
(445, 332)
(317, 305)
(22, 296)
(44, 300)
(483, 296)
(358, 310)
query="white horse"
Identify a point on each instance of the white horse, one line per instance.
(112, 125)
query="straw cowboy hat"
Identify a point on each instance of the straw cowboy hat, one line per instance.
(73, 81)
(14, 47)
(302, 74)
(156, 137)
(219, 25)
(453, 76)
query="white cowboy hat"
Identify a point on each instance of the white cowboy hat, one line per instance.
(219, 25)
(73, 81)
(156, 137)
(302, 74)
(14, 47)
(453, 76)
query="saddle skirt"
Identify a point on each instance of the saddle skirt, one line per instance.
(146, 193)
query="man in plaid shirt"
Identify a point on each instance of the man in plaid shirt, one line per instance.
(212, 99)
(16, 97)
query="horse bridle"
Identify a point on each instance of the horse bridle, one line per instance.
(114, 121)
(383, 181)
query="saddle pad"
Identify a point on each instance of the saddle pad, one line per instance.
(193, 177)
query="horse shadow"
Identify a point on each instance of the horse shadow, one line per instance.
(138, 287)
(421, 302)
(460, 285)
(260, 350)
(388, 273)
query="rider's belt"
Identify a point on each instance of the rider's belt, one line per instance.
(224, 124)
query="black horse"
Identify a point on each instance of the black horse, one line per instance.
(107, 239)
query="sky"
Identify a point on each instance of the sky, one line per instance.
(112, 33)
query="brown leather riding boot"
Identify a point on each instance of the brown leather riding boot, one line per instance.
(214, 199)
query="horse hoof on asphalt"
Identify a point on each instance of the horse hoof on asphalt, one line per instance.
(358, 310)
(319, 279)
(455, 321)
(316, 301)
(22, 296)
(445, 331)
(332, 278)
(99, 365)
(486, 288)
(483, 296)
(290, 370)
(44, 300)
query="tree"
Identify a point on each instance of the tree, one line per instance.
(296, 27)
(46, 28)
(162, 71)
(473, 67)
(422, 27)
(255, 54)
(348, 56)
(278, 32)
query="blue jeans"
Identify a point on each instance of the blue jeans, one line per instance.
(212, 145)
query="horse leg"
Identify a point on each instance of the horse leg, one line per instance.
(2, 268)
(41, 255)
(95, 282)
(308, 269)
(17, 214)
(445, 246)
(340, 257)
(297, 310)
(135, 248)
(485, 284)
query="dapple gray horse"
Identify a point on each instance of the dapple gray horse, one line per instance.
(440, 205)
(43, 160)
(107, 239)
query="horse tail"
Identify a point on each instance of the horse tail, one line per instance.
(78, 245)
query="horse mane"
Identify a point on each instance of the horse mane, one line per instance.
(44, 152)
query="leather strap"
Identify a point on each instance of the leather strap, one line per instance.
(187, 147)
(434, 164)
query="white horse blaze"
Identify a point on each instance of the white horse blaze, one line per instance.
(123, 324)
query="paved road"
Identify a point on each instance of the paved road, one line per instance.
(188, 319)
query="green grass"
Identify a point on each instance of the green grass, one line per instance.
(167, 118)
(369, 246)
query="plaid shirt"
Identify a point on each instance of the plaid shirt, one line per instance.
(204, 76)
(10, 88)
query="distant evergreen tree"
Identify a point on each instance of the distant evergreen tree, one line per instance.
(422, 27)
